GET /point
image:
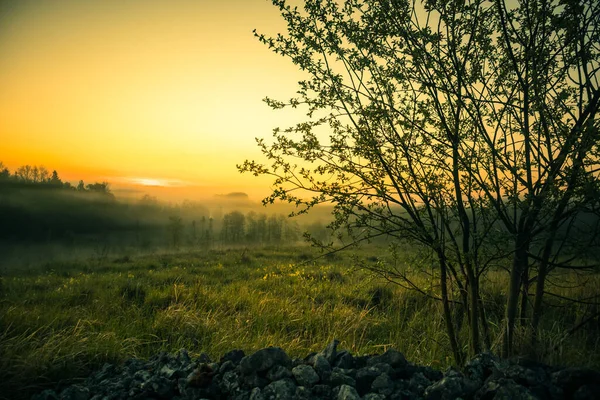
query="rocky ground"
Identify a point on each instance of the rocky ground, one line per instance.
(331, 374)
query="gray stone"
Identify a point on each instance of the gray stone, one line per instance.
(418, 383)
(383, 384)
(322, 391)
(587, 392)
(230, 382)
(305, 375)
(254, 380)
(391, 357)
(452, 372)
(142, 375)
(481, 366)
(383, 368)
(525, 376)
(571, 379)
(282, 389)
(235, 356)
(75, 392)
(338, 379)
(344, 360)
(365, 377)
(168, 372)
(321, 365)
(46, 395)
(256, 394)
(303, 393)
(349, 372)
(451, 387)
(226, 366)
(373, 396)
(278, 372)
(504, 389)
(347, 393)
(330, 352)
(264, 359)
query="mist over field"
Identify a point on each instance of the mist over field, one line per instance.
(48, 220)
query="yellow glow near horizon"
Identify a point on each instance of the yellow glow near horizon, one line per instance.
(149, 182)
(165, 90)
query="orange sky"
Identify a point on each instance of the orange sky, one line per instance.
(120, 90)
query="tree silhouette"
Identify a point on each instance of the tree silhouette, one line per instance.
(468, 128)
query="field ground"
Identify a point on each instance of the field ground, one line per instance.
(61, 320)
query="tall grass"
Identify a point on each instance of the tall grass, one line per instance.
(61, 320)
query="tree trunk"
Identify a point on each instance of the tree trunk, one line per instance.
(485, 326)
(458, 356)
(524, 294)
(512, 303)
(474, 312)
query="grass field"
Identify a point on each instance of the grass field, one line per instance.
(61, 320)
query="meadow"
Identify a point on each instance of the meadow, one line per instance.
(60, 320)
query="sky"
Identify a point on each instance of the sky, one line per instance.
(142, 93)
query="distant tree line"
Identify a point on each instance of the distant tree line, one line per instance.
(36, 205)
(258, 228)
(234, 227)
(40, 176)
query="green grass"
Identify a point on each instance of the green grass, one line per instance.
(61, 320)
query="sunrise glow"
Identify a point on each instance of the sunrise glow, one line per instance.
(166, 91)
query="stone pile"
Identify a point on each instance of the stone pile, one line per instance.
(331, 374)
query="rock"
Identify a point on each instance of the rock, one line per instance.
(571, 379)
(322, 391)
(365, 377)
(226, 366)
(547, 391)
(229, 382)
(504, 389)
(46, 395)
(344, 360)
(268, 374)
(361, 361)
(525, 376)
(321, 365)
(282, 389)
(338, 379)
(203, 358)
(452, 372)
(235, 356)
(481, 367)
(451, 387)
(347, 393)
(305, 375)
(158, 386)
(169, 372)
(330, 352)
(373, 396)
(418, 383)
(256, 394)
(391, 357)
(201, 376)
(264, 359)
(349, 372)
(383, 384)
(589, 392)
(254, 380)
(303, 393)
(75, 392)
(278, 372)
(432, 374)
